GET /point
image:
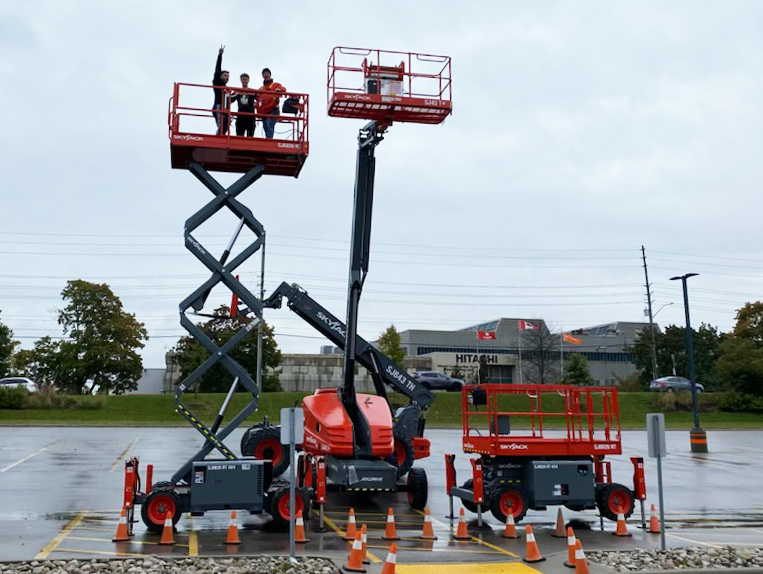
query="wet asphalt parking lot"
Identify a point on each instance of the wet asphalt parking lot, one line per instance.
(60, 489)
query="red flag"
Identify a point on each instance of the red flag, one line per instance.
(527, 326)
(486, 335)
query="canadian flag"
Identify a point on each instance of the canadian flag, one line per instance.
(486, 335)
(527, 326)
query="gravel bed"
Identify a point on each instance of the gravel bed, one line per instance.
(677, 558)
(154, 565)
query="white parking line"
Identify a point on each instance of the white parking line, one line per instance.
(18, 462)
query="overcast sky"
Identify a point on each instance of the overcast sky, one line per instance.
(580, 131)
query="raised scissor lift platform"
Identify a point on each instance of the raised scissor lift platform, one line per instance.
(386, 86)
(541, 420)
(193, 138)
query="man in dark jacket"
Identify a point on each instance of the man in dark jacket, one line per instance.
(222, 100)
(245, 100)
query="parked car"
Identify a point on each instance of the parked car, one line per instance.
(673, 384)
(19, 382)
(435, 381)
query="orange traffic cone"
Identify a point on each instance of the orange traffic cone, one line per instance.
(532, 553)
(560, 531)
(511, 529)
(352, 528)
(581, 564)
(232, 537)
(299, 529)
(654, 522)
(391, 561)
(167, 532)
(461, 532)
(391, 531)
(622, 528)
(122, 533)
(571, 561)
(428, 531)
(364, 543)
(355, 561)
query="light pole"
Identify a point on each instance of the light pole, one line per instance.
(697, 436)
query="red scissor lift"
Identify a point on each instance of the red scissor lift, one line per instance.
(193, 136)
(542, 445)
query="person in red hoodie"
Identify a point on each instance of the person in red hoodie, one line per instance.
(268, 102)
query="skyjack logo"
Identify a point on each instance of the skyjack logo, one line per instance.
(333, 325)
(371, 479)
(358, 97)
(197, 245)
(514, 447)
(188, 138)
(288, 145)
(468, 445)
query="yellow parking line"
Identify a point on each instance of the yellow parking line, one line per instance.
(138, 542)
(93, 529)
(471, 568)
(477, 540)
(692, 541)
(443, 549)
(193, 544)
(43, 554)
(77, 550)
(124, 454)
(336, 529)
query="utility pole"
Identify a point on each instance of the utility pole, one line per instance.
(651, 317)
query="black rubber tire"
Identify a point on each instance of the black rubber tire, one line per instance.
(251, 445)
(609, 496)
(154, 507)
(497, 504)
(455, 388)
(418, 488)
(277, 503)
(403, 443)
(468, 504)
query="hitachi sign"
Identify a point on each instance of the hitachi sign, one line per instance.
(489, 359)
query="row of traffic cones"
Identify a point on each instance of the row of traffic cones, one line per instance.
(390, 532)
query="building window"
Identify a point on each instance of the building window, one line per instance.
(299, 369)
(325, 370)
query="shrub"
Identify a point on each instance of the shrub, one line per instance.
(48, 399)
(736, 402)
(631, 383)
(14, 398)
(682, 402)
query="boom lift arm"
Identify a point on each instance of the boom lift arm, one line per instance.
(383, 370)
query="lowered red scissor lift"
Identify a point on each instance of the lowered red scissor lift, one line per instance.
(542, 445)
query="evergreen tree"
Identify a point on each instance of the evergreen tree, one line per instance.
(576, 371)
(389, 345)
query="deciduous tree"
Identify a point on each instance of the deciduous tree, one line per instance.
(540, 356)
(190, 353)
(7, 344)
(103, 340)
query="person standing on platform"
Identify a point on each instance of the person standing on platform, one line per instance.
(269, 102)
(222, 100)
(245, 100)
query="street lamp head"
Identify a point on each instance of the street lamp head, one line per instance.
(684, 276)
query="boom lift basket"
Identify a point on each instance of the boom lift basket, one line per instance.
(386, 86)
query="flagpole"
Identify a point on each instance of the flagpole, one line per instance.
(519, 339)
(561, 354)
